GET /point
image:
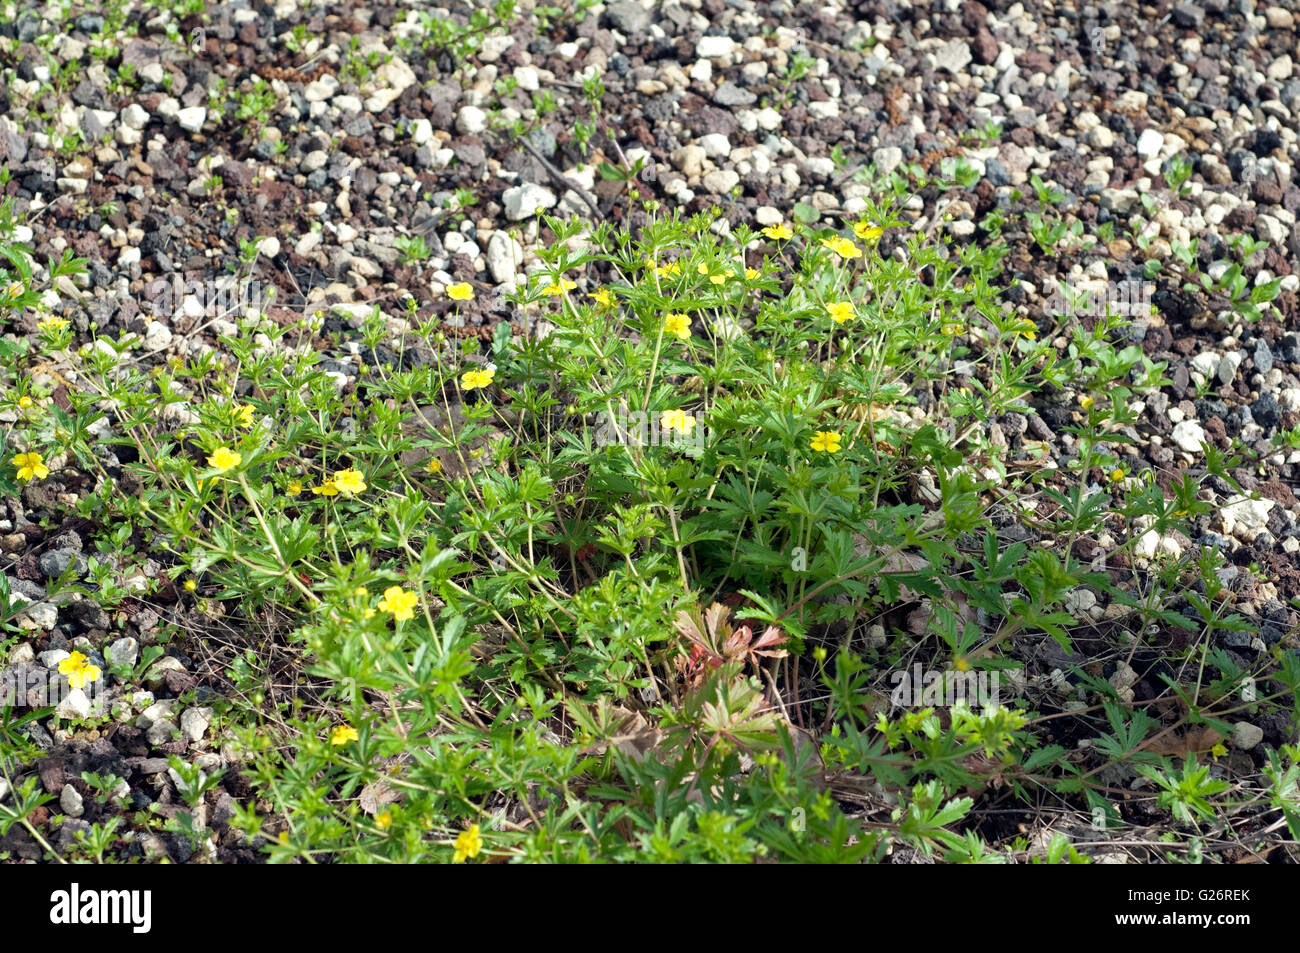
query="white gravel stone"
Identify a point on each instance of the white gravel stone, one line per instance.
(527, 78)
(1099, 137)
(1246, 736)
(74, 705)
(195, 722)
(134, 116)
(318, 91)
(1150, 143)
(72, 803)
(1245, 518)
(269, 246)
(721, 181)
(1206, 363)
(157, 336)
(505, 257)
(887, 159)
(40, 615)
(306, 244)
(314, 160)
(953, 56)
(767, 215)
(421, 131)
(1190, 436)
(1269, 229)
(191, 119)
(524, 200)
(689, 160)
(712, 47)
(715, 145)
(471, 120)
(124, 651)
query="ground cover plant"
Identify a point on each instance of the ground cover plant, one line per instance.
(740, 539)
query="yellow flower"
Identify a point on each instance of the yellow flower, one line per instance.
(678, 324)
(963, 665)
(670, 270)
(678, 420)
(26, 403)
(474, 380)
(603, 298)
(826, 440)
(461, 291)
(30, 466)
(294, 487)
(468, 844)
(79, 670)
(435, 465)
(53, 325)
(383, 820)
(840, 311)
(244, 415)
(1116, 475)
(326, 489)
(15, 289)
(224, 459)
(1026, 328)
(1218, 751)
(951, 329)
(718, 279)
(779, 233)
(867, 232)
(842, 247)
(191, 585)
(752, 274)
(1086, 402)
(349, 482)
(399, 602)
(560, 287)
(342, 734)
(283, 838)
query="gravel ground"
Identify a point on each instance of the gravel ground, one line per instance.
(754, 107)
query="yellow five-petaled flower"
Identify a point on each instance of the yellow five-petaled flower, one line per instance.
(79, 670)
(476, 380)
(224, 459)
(244, 415)
(603, 297)
(678, 420)
(827, 441)
(461, 291)
(779, 233)
(468, 844)
(840, 311)
(30, 466)
(399, 602)
(53, 325)
(560, 287)
(867, 232)
(842, 247)
(678, 325)
(349, 482)
(342, 734)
